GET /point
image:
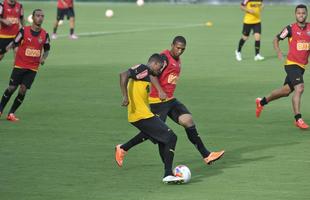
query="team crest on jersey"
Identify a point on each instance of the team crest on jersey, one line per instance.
(308, 33)
(40, 40)
(17, 10)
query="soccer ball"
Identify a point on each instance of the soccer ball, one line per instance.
(60, 22)
(140, 2)
(183, 171)
(109, 13)
(29, 19)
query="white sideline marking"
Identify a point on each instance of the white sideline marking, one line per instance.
(130, 31)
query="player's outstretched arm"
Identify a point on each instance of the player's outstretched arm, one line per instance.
(276, 47)
(123, 81)
(161, 93)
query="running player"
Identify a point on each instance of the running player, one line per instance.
(298, 35)
(135, 85)
(11, 20)
(65, 8)
(31, 46)
(171, 107)
(251, 21)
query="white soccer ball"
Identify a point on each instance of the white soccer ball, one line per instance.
(140, 2)
(183, 171)
(60, 22)
(29, 19)
(109, 13)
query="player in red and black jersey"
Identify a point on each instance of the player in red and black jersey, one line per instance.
(65, 8)
(164, 104)
(31, 46)
(298, 35)
(11, 20)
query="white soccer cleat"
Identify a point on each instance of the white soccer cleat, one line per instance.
(173, 179)
(73, 37)
(238, 55)
(258, 57)
(54, 36)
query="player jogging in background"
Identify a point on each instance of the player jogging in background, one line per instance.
(135, 84)
(251, 21)
(164, 104)
(11, 20)
(65, 8)
(298, 35)
(31, 46)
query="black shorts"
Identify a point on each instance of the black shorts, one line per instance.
(4, 42)
(61, 13)
(22, 77)
(172, 108)
(257, 28)
(294, 75)
(154, 129)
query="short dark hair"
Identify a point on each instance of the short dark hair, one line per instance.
(35, 10)
(156, 58)
(301, 6)
(180, 39)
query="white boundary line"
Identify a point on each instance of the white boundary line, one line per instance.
(101, 33)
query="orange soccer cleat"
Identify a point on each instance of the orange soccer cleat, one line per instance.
(11, 117)
(213, 156)
(119, 155)
(259, 107)
(301, 124)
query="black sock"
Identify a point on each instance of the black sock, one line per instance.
(263, 101)
(169, 154)
(71, 31)
(193, 136)
(161, 148)
(240, 45)
(134, 141)
(5, 99)
(17, 102)
(55, 30)
(297, 117)
(257, 47)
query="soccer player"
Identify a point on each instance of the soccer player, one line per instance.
(31, 46)
(11, 20)
(163, 104)
(135, 85)
(65, 7)
(298, 35)
(251, 21)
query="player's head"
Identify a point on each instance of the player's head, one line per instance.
(301, 13)
(37, 17)
(156, 62)
(178, 46)
(11, 2)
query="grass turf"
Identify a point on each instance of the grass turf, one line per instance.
(63, 147)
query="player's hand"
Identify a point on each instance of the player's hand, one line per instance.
(42, 62)
(125, 101)
(7, 22)
(162, 95)
(251, 11)
(280, 55)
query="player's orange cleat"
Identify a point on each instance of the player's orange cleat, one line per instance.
(213, 156)
(301, 124)
(259, 107)
(11, 117)
(119, 155)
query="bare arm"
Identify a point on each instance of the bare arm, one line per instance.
(123, 81)
(44, 56)
(161, 93)
(276, 47)
(244, 8)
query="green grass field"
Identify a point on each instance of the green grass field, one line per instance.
(71, 119)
